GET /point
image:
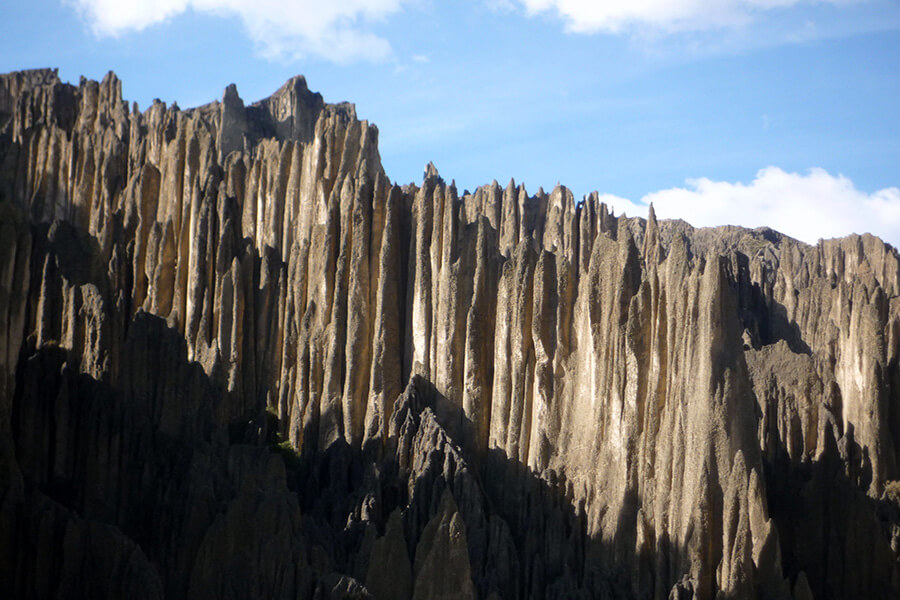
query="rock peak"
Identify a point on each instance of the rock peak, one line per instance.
(431, 171)
(231, 94)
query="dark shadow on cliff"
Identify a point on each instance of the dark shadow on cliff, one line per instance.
(525, 534)
(133, 486)
(763, 318)
(844, 541)
(128, 487)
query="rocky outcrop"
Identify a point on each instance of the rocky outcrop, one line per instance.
(237, 361)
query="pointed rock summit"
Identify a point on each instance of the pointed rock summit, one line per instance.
(233, 123)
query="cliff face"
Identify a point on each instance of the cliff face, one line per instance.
(236, 361)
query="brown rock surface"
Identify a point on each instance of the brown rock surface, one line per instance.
(237, 361)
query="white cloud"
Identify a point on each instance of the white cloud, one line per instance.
(623, 206)
(280, 28)
(614, 16)
(805, 206)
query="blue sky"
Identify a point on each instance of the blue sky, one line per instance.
(778, 112)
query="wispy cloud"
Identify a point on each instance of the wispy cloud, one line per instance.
(280, 28)
(615, 16)
(806, 206)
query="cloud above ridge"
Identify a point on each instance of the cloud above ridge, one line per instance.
(804, 206)
(289, 29)
(340, 30)
(615, 16)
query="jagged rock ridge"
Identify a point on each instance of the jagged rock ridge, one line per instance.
(237, 361)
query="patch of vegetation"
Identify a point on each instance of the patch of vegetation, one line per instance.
(277, 443)
(287, 452)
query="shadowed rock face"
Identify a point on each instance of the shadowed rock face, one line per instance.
(236, 361)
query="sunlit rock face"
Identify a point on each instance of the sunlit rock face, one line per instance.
(237, 361)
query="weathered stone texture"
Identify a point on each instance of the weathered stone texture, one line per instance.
(236, 361)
